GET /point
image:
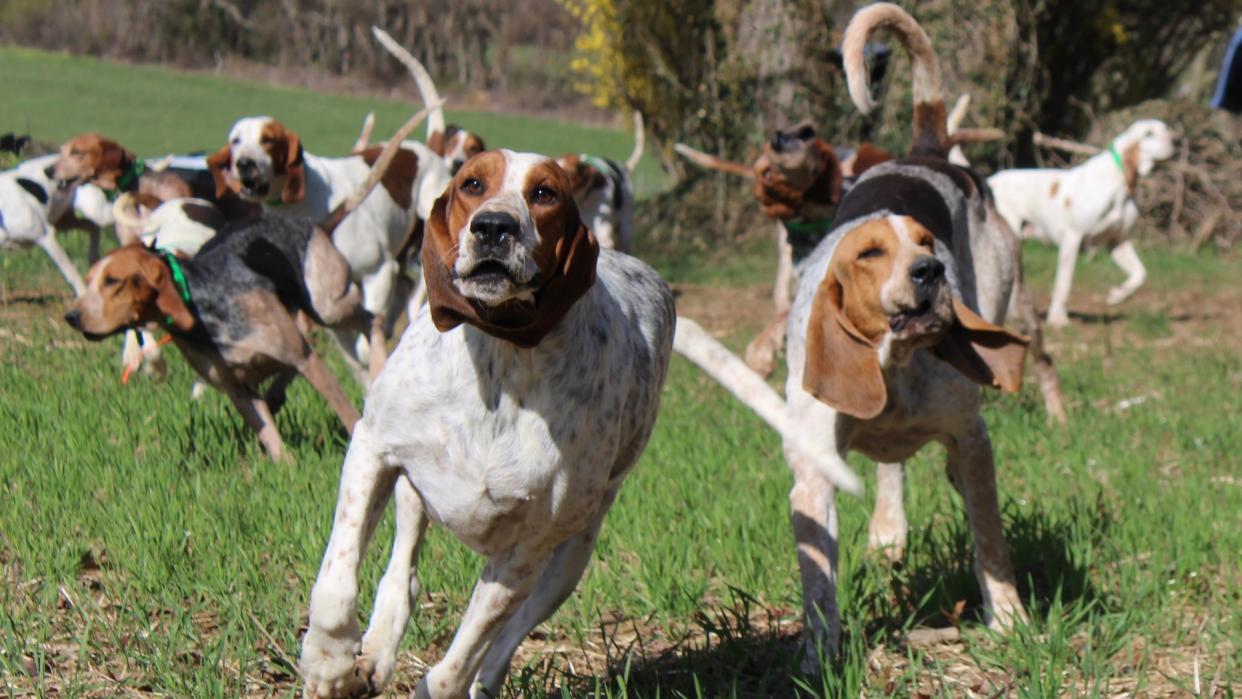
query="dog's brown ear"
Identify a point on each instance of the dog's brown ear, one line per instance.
(113, 161)
(167, 298)
(842, 366)
(436, 142)
(219, 164)
(982, 352)
(295, 171)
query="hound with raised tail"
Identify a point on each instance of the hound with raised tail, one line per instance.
(896, 323)
(231, 308)
(605, 193)
(1091, 203)
(265, 162)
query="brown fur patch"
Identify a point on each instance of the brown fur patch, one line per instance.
(868, 156)
(398, 179)
(1068, 202)
(1056, 186)
(930, 132)
(1130, 165)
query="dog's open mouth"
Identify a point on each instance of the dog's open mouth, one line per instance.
(919, 319)
(490, 271)
(254, 189)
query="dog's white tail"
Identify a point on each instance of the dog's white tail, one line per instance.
(640, 141)
(693, 343)
(364, 136)
(711, 162)
(928, 88)
(422, 79)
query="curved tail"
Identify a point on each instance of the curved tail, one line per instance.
(711, 162)
(364, 136)
(930, 133)
(422, 79)
(376, 174)
(693, 343)
(640, 140)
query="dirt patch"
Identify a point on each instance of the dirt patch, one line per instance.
(732, 313)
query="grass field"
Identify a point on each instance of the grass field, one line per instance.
(147, 547)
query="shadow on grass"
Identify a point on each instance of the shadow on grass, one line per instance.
(744, 649)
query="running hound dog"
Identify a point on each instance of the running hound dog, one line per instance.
(103, 162)
(231, 309)
(604, 192)
(265, 162)
(895, 325)
(1091, 203)
(538, 375)
(33, 206)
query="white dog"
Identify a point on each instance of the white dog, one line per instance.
(1091, 203)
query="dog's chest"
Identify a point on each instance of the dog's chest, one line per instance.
(500, 444)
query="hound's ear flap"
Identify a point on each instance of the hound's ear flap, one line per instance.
(113, 160)
(842, 367)
(219, 163)
(295, 171)
(167, 298)
(579, 251)
(1135, 164)
(826, 187)
(982, 352)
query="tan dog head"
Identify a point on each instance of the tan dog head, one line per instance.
(884, 296)
(456, 145)
(262, 157)
(1145, 143)
(129, 287)
(796, 169)
(91, 158)
(583, 177)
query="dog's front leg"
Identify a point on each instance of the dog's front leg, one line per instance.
(973, 473)
(888, 530)
(505, 584)
(333, 638)
(1126, 257)
(814, 513)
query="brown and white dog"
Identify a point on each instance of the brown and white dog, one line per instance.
(101, 161)
(604, 192)
(896, 324)
(798, 180)
(265, 162)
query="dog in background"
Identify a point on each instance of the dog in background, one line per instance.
(604, 192)
(1093, 203)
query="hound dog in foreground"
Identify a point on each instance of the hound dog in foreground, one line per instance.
(265, 162)
(231, 308)
(895, 325)
(1091, 203)
(538, 375)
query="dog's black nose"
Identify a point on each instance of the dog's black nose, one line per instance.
(246, 166)
(74, 319)
(491, 228)
(926, 270)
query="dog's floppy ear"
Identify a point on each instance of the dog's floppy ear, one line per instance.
(113, 161)
(982, 352)
(579, 251)
(219, 163)
(167, 299)
(295, 171)
(842, 365)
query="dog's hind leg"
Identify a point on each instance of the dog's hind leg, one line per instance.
(256, 414)
(973, 473)
(1022, 309)
(556, 584)
(1128, 260)
(888, 529)
(1067, 258)
(316, 372)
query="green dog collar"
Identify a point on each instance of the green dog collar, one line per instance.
(816, 227)
(178, 275)
(127, 180)
(1112, 150)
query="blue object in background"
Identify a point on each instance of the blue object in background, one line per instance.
(1229, 88)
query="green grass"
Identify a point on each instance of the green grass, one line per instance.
(147, 546)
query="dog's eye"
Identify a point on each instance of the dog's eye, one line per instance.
(543, 195)
(806, 133)
(109, 282)
(472, 186)
(237, 141)
(75, 152)
(871, 252)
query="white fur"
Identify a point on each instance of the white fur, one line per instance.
(1091, 205)
(519, 453)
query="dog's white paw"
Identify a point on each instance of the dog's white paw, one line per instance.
(1118, 294)
(1057, 319)
(332, 669)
